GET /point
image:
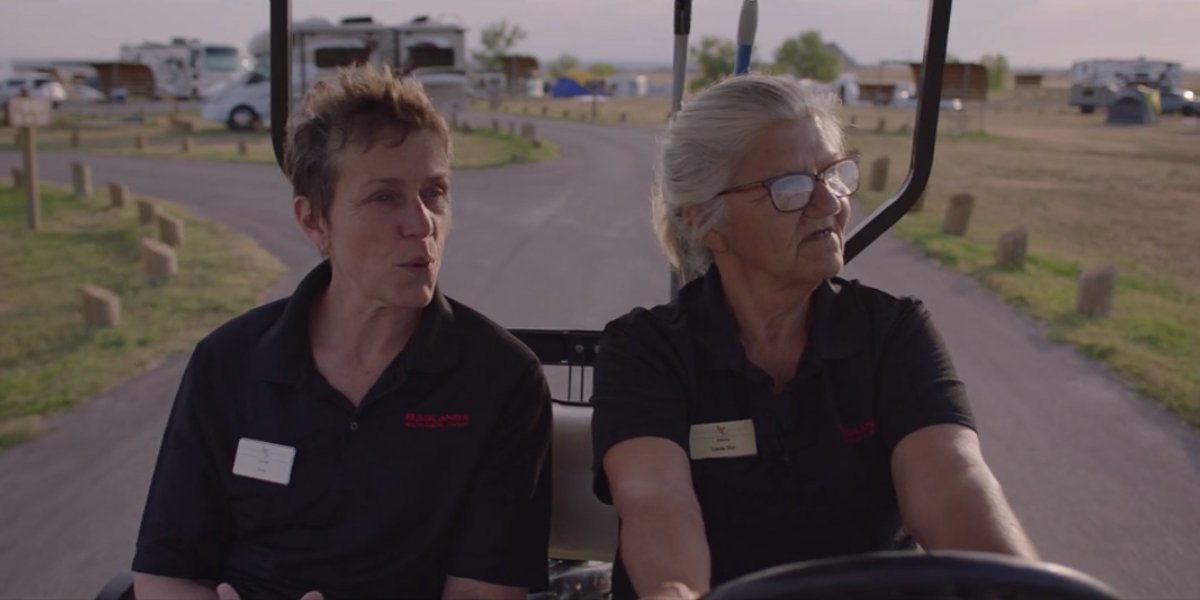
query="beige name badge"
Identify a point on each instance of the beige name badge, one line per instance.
(264, 461)
(727, 439)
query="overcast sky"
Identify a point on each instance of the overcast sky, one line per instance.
(1035, 33)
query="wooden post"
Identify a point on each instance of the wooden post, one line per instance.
(101, 307)
(75, 139)
(147, 211)
(1012, 248)
(118, 195)
(879, 172)
(243, 148)
(33, 207)
(158, 261)
(958, 214)
(185, 145)
(139, 142)
(170, 229)
(1094, 297)
(18, 178)
(81, 180)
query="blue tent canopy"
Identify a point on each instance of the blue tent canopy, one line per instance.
(566, 87)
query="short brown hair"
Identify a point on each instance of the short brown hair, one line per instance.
(353, 109)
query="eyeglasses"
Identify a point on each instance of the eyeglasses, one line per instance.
(791, 192)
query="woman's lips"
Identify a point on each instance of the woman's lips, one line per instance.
(819, 234)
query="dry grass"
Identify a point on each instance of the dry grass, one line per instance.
(1090, 194)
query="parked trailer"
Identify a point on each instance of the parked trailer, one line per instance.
(430, 51)
(1097, 82)
(185, 68)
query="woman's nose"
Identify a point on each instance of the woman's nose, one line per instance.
(823, 202)
(416, 220)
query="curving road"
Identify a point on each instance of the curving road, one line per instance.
(1104, 481)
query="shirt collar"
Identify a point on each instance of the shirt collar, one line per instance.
(837, 328)
(284, 354)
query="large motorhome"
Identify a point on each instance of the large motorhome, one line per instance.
(1095, 83)
(432, 52)
(185, 68)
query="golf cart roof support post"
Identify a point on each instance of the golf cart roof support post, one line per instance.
(281, 73)
(924, 136)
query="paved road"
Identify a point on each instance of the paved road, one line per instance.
(1104, 481)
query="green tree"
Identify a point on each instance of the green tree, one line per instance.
(497, 40)
(602, 69)
(997, 70)
(560, 65)
(806, 56)
(714, 58)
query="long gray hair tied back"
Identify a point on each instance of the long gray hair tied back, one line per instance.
(702, 144)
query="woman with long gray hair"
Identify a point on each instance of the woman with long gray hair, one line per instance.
(775, 412)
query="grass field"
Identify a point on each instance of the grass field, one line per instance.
(1089, 194)
(48, 360)
(211, 141)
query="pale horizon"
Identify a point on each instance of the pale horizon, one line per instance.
(1032, 34)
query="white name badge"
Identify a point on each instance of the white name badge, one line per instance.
(264, 460)
(727, 439)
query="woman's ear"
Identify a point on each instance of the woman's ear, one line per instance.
(312, 223)
(714, 240)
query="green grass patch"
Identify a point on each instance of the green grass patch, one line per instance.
(1151, 339)
(49, 361)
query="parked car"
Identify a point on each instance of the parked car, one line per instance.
(39, 85)
(1184, 102)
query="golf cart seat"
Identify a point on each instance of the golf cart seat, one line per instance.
(581, 527)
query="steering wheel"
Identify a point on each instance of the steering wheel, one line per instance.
(916, 574)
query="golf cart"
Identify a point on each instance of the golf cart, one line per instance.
(584, 531)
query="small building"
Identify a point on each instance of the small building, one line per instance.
(627, 84)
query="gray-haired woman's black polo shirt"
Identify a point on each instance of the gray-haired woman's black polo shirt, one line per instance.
(271, 480)
(788, 477)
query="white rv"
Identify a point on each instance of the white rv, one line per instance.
(1095, 83)
(432, 52)
(185, 68)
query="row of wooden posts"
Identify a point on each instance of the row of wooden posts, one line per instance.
(186, 143)
(1096, 287)
(528, 131)
(102, 307)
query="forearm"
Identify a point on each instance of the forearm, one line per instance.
(155, 587)
(661, 545)
(970, 512)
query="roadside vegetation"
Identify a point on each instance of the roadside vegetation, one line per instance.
(1090, 195)
(49, 361)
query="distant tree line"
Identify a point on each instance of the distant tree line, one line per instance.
(804, 55)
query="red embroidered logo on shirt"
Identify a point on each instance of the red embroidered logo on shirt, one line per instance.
(413, 420)
(857, 433)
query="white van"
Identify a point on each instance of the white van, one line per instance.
(39, 85)
(432, 52)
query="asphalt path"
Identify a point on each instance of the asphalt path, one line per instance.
(1104, 481)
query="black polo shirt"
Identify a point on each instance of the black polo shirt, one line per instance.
(874, 369)
(442, 469)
